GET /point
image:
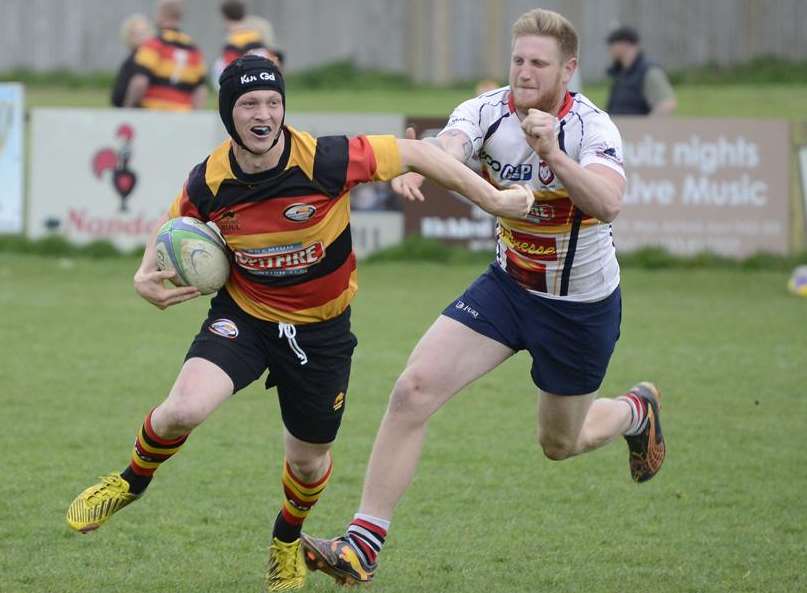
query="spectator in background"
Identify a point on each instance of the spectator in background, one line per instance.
(264, 27)
(245, 35)
(640, 86)
(134, 31)
(170, 72)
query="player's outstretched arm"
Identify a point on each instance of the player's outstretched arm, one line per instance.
(148, 280)
(439, 166)
(454, 142)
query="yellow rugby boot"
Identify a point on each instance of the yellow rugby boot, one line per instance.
(95, 505)
(286, 569)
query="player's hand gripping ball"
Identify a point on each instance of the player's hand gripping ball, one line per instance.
(195, 252)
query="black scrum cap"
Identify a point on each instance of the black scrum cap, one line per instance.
(247, 73)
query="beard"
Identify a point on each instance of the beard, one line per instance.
(545, 100)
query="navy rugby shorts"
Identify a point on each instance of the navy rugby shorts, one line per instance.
(312, 395)
(570, 342)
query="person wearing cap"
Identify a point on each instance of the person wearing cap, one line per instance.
(640, 86)
(280, 198)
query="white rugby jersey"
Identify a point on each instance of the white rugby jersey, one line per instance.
(558, 251)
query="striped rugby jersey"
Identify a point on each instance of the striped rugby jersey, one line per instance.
(289, 228)
(558, 251)
(240, 42)
(175, 68)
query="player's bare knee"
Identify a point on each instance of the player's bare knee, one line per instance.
(308, 468)
(410, 397)
(556, 448)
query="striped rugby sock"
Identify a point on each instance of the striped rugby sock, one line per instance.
(367, 534)
(148, 453)
(638, 413)
(300, 499)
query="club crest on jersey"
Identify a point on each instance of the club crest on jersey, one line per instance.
(517, 172)
(545, 174)
(283, 260)
(224, 328)
(300, 212)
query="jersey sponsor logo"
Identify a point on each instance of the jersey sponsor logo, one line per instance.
(545, 174)
(517, 172)
(540, 212)
(540, 248)
(283, 260)
(224, 328)
(300, 212)
(228, 222)
(508, 171)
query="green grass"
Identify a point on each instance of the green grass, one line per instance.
(84, 358)
(766, 101)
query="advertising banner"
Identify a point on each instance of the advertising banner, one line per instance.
(719, 185)
(447, 216)
(12, 107)
(110, 174)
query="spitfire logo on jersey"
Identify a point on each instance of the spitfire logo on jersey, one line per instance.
(284, 260)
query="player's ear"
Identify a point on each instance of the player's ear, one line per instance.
(568, 70)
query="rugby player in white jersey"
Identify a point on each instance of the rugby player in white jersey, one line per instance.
(553, 289)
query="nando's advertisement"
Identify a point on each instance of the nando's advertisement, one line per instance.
(719, 185)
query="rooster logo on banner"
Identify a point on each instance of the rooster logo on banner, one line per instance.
(117, 161)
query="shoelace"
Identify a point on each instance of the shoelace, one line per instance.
(109, 485)
(288, 331)
(285, 566)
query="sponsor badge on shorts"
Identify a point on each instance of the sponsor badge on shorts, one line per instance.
(225, 328)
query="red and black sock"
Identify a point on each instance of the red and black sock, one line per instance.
(149, 452)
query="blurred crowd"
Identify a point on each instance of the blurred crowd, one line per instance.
(165, 70)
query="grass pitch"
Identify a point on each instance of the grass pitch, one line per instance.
(84, 358)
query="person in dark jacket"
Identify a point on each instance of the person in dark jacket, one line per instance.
(134, 31)
(640, 86)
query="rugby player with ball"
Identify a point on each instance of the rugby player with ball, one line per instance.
(280, 198)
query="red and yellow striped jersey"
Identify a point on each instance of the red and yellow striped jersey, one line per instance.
(175, 68)
(239, 43)
(289, 228)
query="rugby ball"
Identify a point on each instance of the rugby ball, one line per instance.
(798, 281)
(195, 252)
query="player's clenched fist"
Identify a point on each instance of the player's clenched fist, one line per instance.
(540, 129)
(515, 201)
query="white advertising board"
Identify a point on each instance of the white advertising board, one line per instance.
(110, 174)
(12, 106)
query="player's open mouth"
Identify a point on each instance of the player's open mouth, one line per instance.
(261, 131)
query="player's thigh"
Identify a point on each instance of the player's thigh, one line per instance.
(200, 388)
(449, 356)
(313, 394)
(561, 417)
(225, 356)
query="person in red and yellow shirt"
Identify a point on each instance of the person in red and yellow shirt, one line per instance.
(280, 198)
(169, 70)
